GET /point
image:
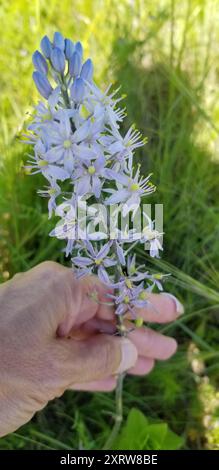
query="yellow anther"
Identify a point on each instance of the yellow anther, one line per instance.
(51, 191)
(91, 170)
(42, 163)
(47, 116)
(143, 295)
(122, 328)
(67, 144)
(134, 187)
(157, 276)
(139, 322)
(128, 283)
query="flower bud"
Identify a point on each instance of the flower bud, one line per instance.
(42, 84)
(78, 90)
(58, 60)
(40, 63)
(79, 48)
(58, 41)
(139, 321)
(87, 70)
(75, 65)
(46, 47)
(69, 48)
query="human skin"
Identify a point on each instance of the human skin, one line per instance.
(54, 336)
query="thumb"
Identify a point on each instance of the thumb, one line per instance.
(93, 359)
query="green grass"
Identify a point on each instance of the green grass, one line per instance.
(164, 54)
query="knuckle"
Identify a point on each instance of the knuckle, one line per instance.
(50, 267)
(62, 286)
(67, 276)
(57, 276)
(17, 276)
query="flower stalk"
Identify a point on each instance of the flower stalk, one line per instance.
(78, 148)
(118, 414)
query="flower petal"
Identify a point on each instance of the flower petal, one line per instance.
(102, 274)
(56, 172)
(82, 132)
(82, 261)
(96, 186)
(120, 254)
(83, 185)
(104, 250)
(68, 161)
(54, 154)
(118, 177)
(118, 196)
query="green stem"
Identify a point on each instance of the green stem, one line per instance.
(119, 413)
(121, 332)
(66, 99)
(119, 386)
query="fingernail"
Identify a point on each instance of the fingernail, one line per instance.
(178, 305)
(129, 356)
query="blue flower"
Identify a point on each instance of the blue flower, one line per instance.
(46, 47)
(129, 190)
(87, 70)
(51, 192)
(42, 84)
(108, 105)
(58, 60)
(89, 177)
(95, 261)
(151, 236)
(62, 147)
(40, 163)
(69, 48)
(79, 48)
(78, 90)
(75, 64)
(121, 148)
(39, 62)
(72, 228)
(67, 228)
(58, 41)
(130, 297)
(76, 136)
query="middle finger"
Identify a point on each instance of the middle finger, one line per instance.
(152, 344)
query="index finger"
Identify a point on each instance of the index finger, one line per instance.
(161, 308)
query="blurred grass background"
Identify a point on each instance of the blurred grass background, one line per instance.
(165, 55)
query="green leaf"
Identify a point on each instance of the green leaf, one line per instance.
(134, 434)
(157, 435)
(172, 441)
(139, 434)
(162, 438)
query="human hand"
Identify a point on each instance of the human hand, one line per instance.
(54, 336)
